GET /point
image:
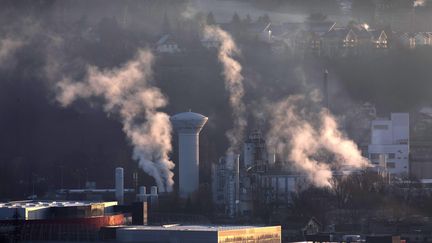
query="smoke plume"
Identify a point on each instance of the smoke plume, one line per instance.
(7, 48)
(233, 82)
(419, 3)
(295, 136)
(126, 91)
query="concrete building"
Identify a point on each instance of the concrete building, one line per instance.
(40, 210)
(188, 126)
(198, 234)
(390, 138)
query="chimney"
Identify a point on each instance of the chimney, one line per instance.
(119, 185)
(325, 90)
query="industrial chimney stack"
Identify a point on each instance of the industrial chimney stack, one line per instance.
(325, 90)
(188, 125)
(119, 185)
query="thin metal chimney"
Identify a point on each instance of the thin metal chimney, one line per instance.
(119, 185)
(325, 90)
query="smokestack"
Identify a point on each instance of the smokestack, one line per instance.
(154, 190)
(237, 183)
(119, 185)
(141, 196)
(142, 190)
(188, 126)
(272, 158)
(325, 90)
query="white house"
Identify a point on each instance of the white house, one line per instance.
(390, 137)
(166, 44)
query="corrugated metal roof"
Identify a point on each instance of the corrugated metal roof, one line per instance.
(212, 228)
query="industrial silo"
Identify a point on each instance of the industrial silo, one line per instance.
(188, 126)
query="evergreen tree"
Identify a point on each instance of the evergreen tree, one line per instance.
(210, 19)
(235, 19)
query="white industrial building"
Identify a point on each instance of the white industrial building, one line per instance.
(390, 142)
(188, 126)
(31, 210)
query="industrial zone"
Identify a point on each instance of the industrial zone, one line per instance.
(242, 185)
(296, 168)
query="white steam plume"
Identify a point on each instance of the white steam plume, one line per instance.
(419, 3)
(294, 136)
(346, 151)
(8, 46)
(233, 82)
(127, 92)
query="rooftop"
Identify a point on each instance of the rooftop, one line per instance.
(41, 204)
(175, 227)
(188, 116)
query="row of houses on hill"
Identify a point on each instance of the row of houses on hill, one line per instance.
(326, 39)
(317, 38)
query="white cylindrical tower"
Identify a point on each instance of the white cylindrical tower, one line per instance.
(142, 190)
(188, 126)
(154, 190)
(119, 185)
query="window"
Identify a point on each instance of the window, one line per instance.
(380, 127)
(391, 165)
(374, 156)
(391, 156)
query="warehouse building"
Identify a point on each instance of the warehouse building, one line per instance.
(199, 233)
(37, 210)
(56, 221)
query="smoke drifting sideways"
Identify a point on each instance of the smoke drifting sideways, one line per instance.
(128, 92)
(233, 84)
(300, 134)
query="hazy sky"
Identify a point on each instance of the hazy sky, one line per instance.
(224, 10)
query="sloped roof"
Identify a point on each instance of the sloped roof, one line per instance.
(165, 39)
(337, 33)
(320, 27)
(376, 34)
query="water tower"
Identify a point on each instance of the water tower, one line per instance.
(188, 126)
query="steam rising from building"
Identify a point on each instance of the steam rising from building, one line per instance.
(128, 92)
(296, 138)
(233, 82)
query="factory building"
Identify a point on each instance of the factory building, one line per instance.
(255, 152)
(199, 234)
(241, 188)
(229, 194)
(91, 193)
(389, 147)
(188, 126)
(56, 220)
(38, 210)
